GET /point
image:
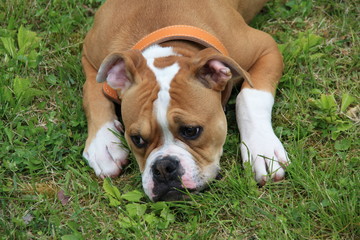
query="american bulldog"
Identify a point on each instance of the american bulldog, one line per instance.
(171, 66)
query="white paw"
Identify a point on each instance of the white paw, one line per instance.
(266, 154)
(106, 154)
(259, 144)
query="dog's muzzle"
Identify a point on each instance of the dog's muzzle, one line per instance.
(166, 173)
(171, 173)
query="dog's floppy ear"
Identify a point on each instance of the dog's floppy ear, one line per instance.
(119, 69)
(215, 70)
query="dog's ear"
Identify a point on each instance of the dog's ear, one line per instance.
(215, 70)
(120, 69)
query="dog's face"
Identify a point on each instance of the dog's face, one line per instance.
(173, 116)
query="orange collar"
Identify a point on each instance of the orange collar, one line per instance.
(181, 32)
(176, 32)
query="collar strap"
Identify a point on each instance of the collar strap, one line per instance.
(175, 32)
(181, 32)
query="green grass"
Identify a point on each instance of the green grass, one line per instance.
(43, 130)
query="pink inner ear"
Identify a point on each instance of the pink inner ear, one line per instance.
(219, 71)
(116, 76)
(216, 65)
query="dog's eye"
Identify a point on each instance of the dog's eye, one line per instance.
(138, 141)
(190, 133)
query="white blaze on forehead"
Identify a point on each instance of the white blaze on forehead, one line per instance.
(164, 76)
(157, 51)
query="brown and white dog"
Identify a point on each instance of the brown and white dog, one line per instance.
(172, 65)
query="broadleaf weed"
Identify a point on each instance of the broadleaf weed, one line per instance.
(328, 114)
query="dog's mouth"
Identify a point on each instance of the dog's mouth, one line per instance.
(177, 192)
(174, 194)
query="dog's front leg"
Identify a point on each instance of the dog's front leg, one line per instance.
(259, 144)
(103, 150)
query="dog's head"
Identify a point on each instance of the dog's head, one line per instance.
(172, 110)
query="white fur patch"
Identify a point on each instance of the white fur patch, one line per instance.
(161, 104)
(164, 76)
(156, 51)
(106, 155)
(259, 143)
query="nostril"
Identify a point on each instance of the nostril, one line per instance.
(166, 169)
(157, 172)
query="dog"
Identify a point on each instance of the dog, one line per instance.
(171, 66)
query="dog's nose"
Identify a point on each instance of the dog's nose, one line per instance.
(166, 169)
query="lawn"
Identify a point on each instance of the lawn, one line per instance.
(47, 190)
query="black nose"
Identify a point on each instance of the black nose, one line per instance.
(166, 169)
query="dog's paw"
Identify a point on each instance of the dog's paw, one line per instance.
(105, 153)
(259, 145)
(266, 154)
